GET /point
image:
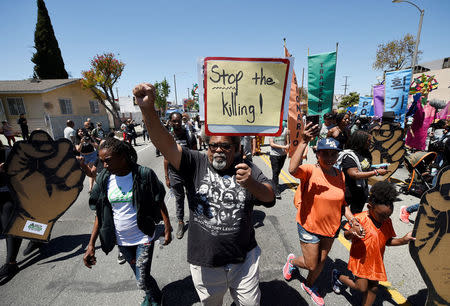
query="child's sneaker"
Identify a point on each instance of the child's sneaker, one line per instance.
(314, 294)
(288, 267)
(336, 284)
(404, 215)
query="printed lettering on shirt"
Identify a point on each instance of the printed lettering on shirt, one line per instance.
(219, 203)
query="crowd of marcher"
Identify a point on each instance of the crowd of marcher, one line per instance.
(222, 187)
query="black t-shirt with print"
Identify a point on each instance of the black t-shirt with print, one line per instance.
(220, 220)
(353, 193)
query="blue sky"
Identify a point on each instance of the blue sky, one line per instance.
(157, 39)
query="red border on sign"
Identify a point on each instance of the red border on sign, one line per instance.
(247, 59)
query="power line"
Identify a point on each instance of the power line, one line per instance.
(346, 85)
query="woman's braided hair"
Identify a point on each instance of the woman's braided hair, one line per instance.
(120, 147)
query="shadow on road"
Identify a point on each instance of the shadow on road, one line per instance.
(75, 245)
(258, 218)
(419, 298)
(285, 186)
(354, 297)
(180, 292)
(279, 293)
(62, 244)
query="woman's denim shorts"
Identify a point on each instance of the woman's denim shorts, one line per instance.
(308, 237)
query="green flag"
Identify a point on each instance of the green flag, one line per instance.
(321, 74)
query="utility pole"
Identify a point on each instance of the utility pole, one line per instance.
(346, 85)
(188, 92)
(175, 86)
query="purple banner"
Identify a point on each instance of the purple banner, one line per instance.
(378, 100)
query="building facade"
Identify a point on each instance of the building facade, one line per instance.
(48, 104)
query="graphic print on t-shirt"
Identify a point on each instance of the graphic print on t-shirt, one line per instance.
(219, 204)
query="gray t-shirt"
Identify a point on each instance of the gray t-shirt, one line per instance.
(279, 140)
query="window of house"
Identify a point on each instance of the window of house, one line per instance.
(94, 106)
(15, 106)
(66, 106)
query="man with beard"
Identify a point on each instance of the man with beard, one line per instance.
(173, 179)
(220, 258)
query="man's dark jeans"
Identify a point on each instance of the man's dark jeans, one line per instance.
(277, 163)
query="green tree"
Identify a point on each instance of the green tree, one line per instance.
(396, 54)
(350, 100)
(162, 90)
(48, 60)
(100, 79)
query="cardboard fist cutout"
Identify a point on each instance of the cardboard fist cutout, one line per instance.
(45, 180)
(388, 147)
(432, 245)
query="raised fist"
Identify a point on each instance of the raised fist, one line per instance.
(45, 180)
(432, 245)
(388, 147)
(145, 95)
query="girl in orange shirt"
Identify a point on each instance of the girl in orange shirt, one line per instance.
(320, 201)
(366, 254)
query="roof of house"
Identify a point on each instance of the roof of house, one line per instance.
(435, 65)
(33, 85)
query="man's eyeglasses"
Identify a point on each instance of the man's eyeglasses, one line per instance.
(223, 146)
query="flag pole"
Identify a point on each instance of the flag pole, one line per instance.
(307, 97)
(332, 101)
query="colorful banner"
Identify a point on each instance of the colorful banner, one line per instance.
(364, 106)
(295, 122)
(245, 96)
(396, 93)
(321, 75)
(378, 100)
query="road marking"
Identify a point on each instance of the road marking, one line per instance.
(147, 146)
(396, 296)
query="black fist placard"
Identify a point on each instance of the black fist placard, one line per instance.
(432, 245)
(45, 180)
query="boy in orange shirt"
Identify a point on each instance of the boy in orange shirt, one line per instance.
(366, 254)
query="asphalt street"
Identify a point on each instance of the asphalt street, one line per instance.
(55, 274)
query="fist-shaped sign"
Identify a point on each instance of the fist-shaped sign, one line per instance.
(432, 245)
(45, 180)
(388, 147)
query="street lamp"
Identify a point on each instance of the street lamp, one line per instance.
(418, 32)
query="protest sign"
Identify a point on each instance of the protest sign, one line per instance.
(396, 93)
(45, 180)
(245, 96)
(321, 75)
(364, 106)
(431, 247)
(378, 100)
(295, 120)
(388, 147)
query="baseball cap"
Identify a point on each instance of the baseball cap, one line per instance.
(328, 144)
